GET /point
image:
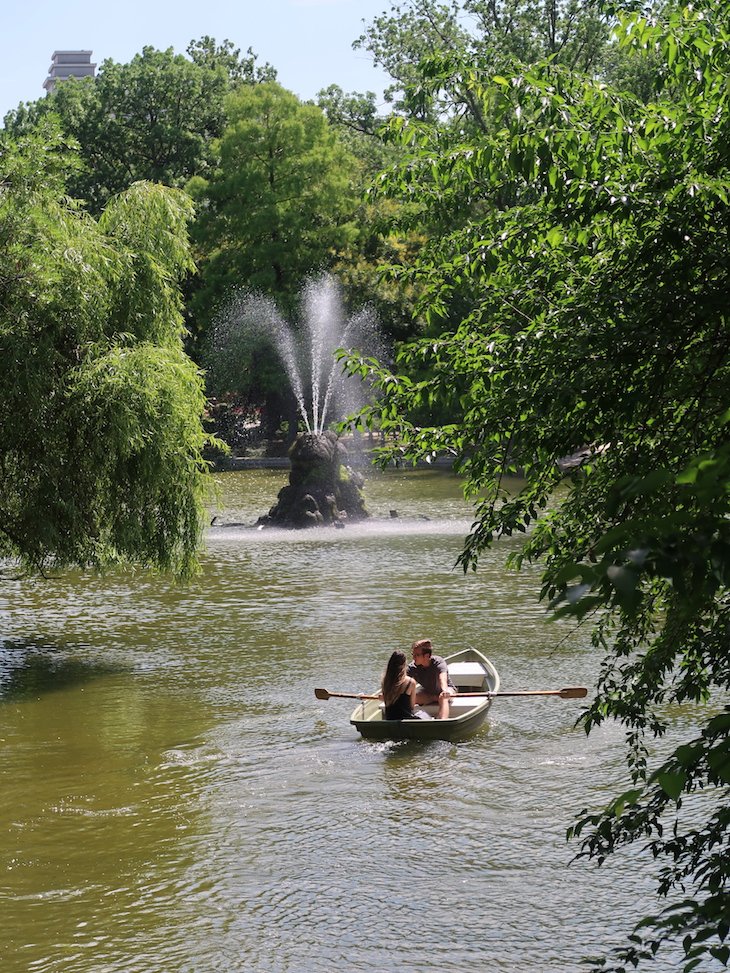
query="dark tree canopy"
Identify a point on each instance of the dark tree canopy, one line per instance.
(153, 118)
(206, 53)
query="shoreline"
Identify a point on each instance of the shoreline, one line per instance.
(227, 464)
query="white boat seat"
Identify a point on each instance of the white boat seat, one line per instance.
(457, 707)
(465, 674)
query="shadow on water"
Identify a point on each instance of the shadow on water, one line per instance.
(29, 669)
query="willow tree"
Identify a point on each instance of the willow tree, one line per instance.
(595, 253)
(100, 410)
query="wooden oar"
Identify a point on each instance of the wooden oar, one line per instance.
(325, 694)
(570, 692)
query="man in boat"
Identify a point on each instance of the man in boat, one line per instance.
(432, 674)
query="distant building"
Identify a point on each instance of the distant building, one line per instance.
(68, 64)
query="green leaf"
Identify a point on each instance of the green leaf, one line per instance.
(626, 799)
(719, 724)
(689, 754)
(721, 953)
(568, 573)
(639, 486)
(719, 761)
(672, 783)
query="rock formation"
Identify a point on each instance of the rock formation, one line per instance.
(322, 489)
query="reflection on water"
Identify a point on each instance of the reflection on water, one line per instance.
(181, 801)
(28, 669)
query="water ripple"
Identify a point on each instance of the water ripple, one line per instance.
(176, 798)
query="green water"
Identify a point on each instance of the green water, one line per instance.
(175, 798)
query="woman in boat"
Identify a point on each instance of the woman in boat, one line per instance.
(398, 690)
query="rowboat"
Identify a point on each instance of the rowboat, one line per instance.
(470, 672)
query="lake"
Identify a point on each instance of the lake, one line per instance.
(175, 798)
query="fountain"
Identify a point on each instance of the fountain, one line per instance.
(322, 488)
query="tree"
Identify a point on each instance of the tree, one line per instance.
(359, 127)
(573, 32)
(354, 118)
(151, 119)
(599, 328)
(401, 39)
(275, 210)
(413, 42)
(100, 409)
(277, 206)
(206, 53)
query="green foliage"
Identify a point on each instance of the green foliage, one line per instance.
(368, 265)
(492, 34)
(355, 119)
(370, 269)
(206, 53)
(153, 118)
(592, 247)
(100, 410)
(277, 206)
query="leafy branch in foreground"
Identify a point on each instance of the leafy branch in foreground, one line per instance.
(592, 260)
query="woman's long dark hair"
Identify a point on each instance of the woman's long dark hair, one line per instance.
(394, 677)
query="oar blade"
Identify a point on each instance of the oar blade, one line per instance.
(573, 692)
(321, 694)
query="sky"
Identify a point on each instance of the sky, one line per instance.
(309, 42)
